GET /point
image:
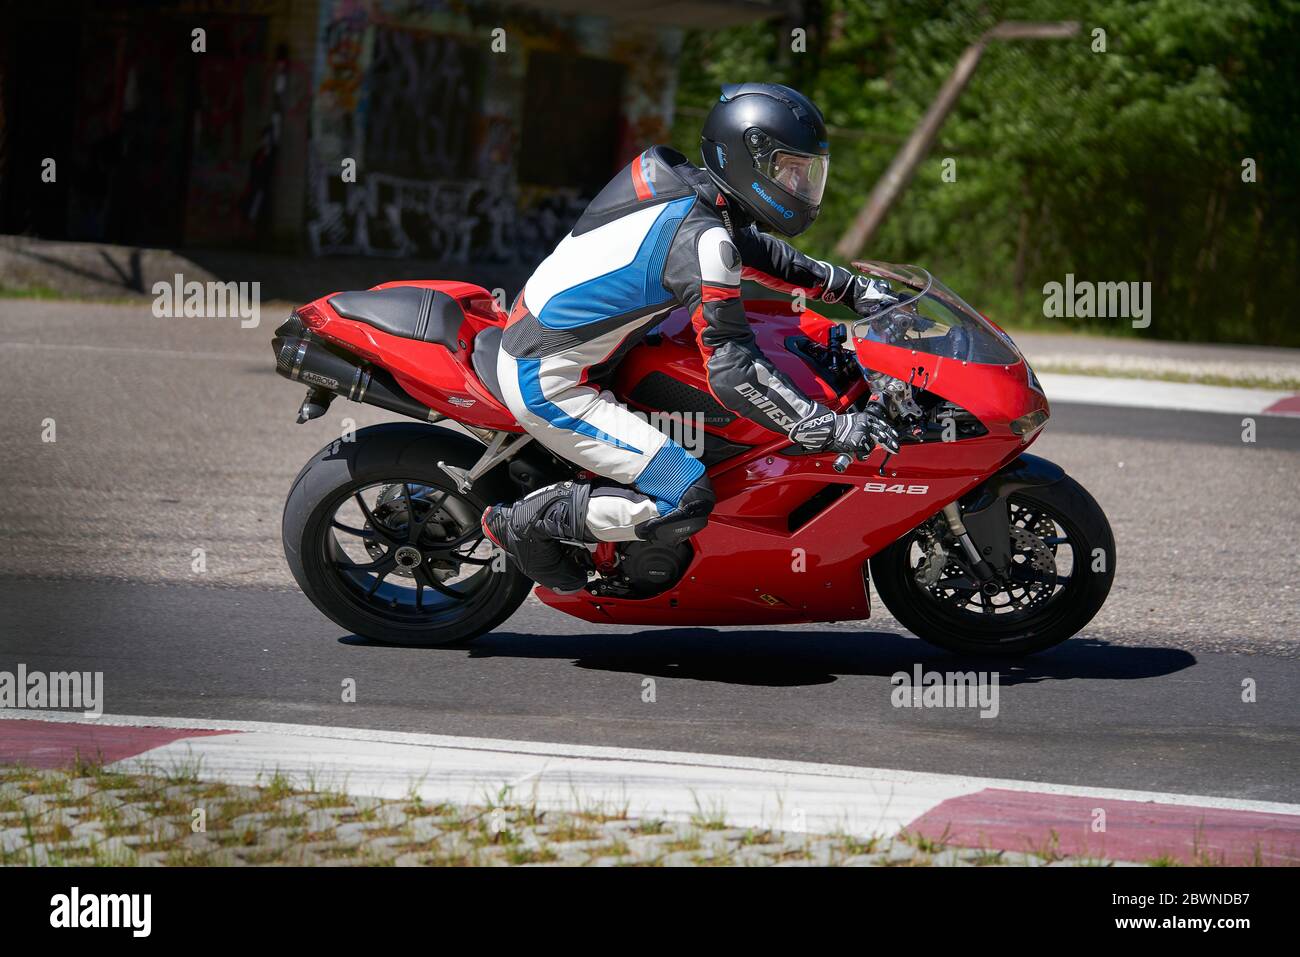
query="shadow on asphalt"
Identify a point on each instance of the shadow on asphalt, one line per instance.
(800, 658)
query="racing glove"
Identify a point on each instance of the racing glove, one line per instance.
(864, 296)
(856, 433)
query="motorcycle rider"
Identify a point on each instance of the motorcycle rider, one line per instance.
(663, 234)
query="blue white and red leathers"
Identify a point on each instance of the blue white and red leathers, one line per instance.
(660, 235)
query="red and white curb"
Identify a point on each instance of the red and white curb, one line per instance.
(1102, 823)
(1176, 396)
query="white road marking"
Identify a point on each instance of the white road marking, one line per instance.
(1153, 394)
(674, 785)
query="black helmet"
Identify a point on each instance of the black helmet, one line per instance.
(765, 146)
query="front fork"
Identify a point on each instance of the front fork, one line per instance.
(987, 514)
(982, 569)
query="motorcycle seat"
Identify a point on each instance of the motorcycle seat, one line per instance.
(412, 312)
(484, 357)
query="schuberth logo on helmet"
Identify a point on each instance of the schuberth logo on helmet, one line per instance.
(787, 213)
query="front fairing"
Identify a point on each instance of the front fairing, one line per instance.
(934, 341)
(996, 395)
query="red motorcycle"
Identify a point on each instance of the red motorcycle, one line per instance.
(972, 544)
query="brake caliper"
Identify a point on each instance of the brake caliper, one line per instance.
(934, 558)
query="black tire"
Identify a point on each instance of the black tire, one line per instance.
(1068, 609)
(397, 456)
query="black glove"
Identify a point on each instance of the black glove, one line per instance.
(869, 296)
(854, 432)
(864, 296)
(859, 432)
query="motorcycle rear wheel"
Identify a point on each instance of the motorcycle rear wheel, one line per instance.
(384, 544)
(1042, 610)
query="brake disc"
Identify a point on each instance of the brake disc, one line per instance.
(1041, 559)
(1035, 550)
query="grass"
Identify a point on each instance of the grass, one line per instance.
(520, 855)
(1243, 381)
(43, 292)
(91, 816)
(572, 830)
(615, 848)
(1050, 849)
(852, 846)
(35, 291)
(366, 815)
(924, 843)
(688, 842)
(329, 799)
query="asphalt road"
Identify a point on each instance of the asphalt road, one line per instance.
(175, 434)
(1147, 717)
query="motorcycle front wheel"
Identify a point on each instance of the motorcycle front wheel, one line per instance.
(1063, 563)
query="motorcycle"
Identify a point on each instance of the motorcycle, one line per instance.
(973, 544)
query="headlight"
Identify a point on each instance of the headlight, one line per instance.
(1031, 423)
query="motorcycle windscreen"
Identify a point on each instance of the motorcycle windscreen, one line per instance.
(930, 318)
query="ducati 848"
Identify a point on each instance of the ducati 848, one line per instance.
(972, 543)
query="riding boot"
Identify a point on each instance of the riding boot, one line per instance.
(534, 532)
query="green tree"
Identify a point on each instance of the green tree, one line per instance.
(1117, 164)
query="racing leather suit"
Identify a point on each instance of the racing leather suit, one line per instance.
(660, 235)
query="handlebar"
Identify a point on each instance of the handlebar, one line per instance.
(844, 460)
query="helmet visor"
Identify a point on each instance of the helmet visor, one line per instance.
(802, 174)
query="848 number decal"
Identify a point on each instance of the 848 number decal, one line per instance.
(896, 489)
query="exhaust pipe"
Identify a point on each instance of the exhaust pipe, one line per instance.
(301, 357)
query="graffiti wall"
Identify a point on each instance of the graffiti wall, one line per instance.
(422, 112)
